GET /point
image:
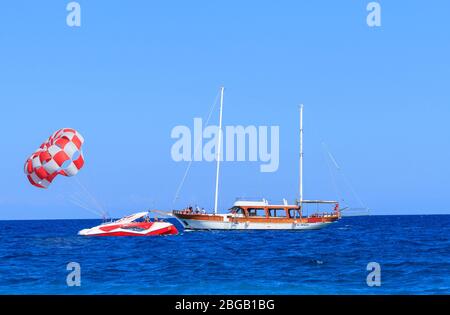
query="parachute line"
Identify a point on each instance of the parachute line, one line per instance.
(96, 203)
(83, 206)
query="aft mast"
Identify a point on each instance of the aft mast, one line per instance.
(219, 145)
(300, 184)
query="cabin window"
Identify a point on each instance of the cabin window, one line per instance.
(256, 212)
(294, 213)
(278, 213)
(238, 211)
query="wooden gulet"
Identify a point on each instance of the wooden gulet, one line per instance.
(259, 214)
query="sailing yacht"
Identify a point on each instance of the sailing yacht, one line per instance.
(259, 214)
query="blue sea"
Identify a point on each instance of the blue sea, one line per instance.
(413, 253)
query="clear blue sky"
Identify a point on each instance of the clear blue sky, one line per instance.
(379, 97)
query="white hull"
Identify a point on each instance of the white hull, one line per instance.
(221, 225)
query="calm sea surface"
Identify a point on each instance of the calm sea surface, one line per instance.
(413, 251)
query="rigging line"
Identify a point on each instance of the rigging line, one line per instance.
(337, 191)
(180, 186)
(346, 179)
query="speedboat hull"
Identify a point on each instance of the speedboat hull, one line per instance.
(128, 227)
(155, 228)
(142, 229)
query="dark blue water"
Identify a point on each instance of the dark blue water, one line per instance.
(413, 251)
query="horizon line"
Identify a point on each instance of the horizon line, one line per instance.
(371, 215)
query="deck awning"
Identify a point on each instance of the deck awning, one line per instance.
(319, 201)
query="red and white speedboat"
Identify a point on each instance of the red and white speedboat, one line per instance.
(137, 224)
